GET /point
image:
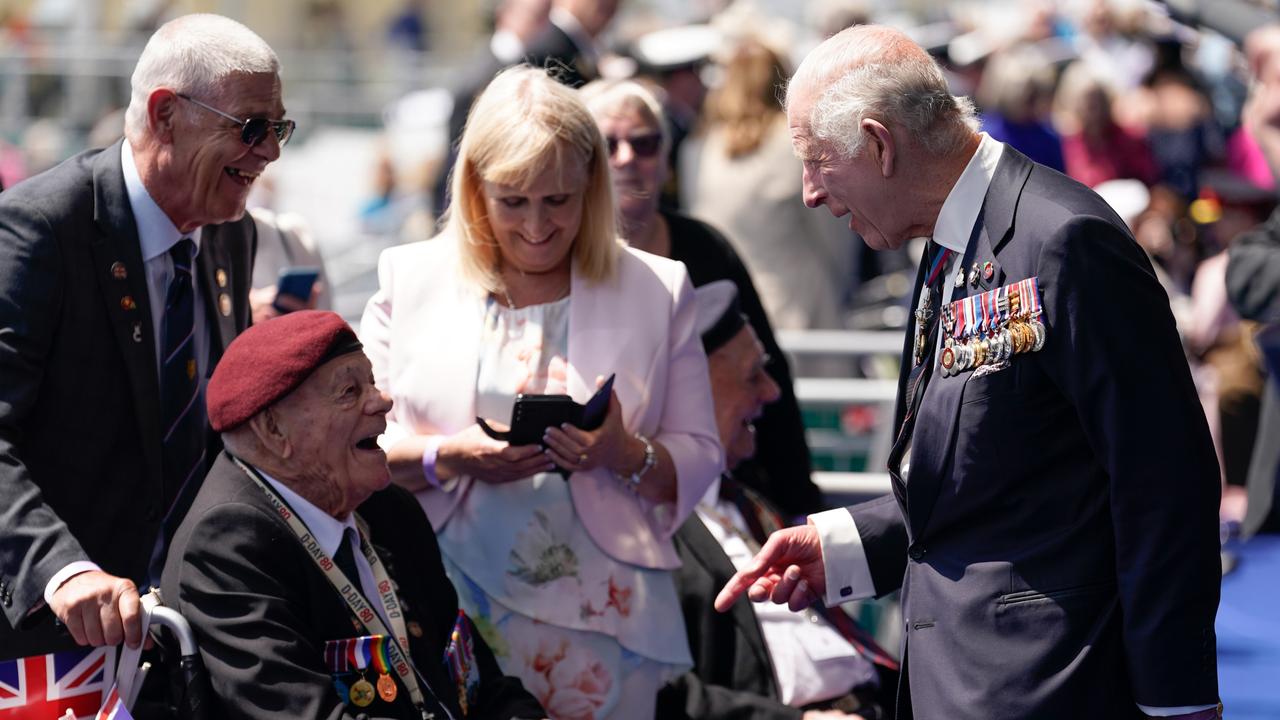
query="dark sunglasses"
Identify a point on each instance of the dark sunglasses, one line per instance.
(253, 130)
(645, 146)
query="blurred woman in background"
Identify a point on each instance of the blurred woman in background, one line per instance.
(741, 175)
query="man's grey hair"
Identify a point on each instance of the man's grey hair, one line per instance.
(193, 54)
(875, 72)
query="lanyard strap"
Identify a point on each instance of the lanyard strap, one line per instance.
(351, 593)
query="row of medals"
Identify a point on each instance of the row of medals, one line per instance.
(362, 692)
(1016, 333)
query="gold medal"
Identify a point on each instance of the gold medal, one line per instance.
(1028, 336)
(387, 688)
(362, 694)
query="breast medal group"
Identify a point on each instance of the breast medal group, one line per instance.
(990, 328)
(349, 661)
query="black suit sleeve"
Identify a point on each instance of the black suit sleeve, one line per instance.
(884, 541)
(1112, 349)
(34, 543)
(1253, 272)
(260, 655)
(689, 697)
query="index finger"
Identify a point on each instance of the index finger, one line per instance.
(736, 586)
(131, 616)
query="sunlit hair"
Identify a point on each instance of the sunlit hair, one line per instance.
(194, 54)
(522, 124)
(871, 71)
(746, 103)
(611, 97)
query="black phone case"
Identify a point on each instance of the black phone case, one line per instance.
(533, 414)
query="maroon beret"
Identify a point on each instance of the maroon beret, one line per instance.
(267, 361)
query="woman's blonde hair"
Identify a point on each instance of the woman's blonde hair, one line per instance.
(746, 103)
(523, 123)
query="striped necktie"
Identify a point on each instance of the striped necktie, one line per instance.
(182, 412)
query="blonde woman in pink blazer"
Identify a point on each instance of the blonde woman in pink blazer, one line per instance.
(528, 290)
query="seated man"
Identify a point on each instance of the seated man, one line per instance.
(758, 661)
(314, 589)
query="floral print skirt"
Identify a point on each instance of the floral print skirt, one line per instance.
(591, 637)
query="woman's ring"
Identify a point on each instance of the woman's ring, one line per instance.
(582, 458)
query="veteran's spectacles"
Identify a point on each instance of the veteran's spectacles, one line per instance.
(252, 130)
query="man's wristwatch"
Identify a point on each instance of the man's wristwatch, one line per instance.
(650, 459)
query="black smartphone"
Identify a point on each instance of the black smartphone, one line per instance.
(297, 282)
(533, 414)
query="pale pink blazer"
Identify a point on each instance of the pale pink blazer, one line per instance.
(422, 332)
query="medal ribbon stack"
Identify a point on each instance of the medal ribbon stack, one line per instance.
(356, 655)
(459, 656)
(990, 328)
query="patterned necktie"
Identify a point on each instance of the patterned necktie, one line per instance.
(182, 413)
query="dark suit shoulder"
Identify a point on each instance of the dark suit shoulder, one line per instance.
(59, 191)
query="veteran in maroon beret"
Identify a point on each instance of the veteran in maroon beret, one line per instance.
(315, 589)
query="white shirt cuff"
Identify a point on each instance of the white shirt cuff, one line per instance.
(1170, 711)
(65, 574)
(843, 559)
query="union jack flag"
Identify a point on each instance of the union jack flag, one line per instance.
(44, 687)
(113, 708)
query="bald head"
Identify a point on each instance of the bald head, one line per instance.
(871, 71)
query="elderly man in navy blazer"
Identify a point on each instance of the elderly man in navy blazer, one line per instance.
(1053, 523)
(124, 274)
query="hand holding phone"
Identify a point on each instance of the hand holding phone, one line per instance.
(532, 415)
(296, 282)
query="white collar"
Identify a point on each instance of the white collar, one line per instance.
(325, 528)
(156, 232)
(960, 209)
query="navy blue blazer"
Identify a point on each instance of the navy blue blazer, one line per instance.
(80, 435)
(1056, 540)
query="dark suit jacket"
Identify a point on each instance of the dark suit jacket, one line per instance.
(262, 611)
(80, 434)
(1057, 537)
(1253, 285)
(781, 468)
(732, 674)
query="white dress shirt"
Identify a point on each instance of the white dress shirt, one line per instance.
(843, 558)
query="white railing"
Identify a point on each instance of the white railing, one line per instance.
(828, 393)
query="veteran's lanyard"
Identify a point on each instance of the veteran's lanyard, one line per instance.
(351, 592)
